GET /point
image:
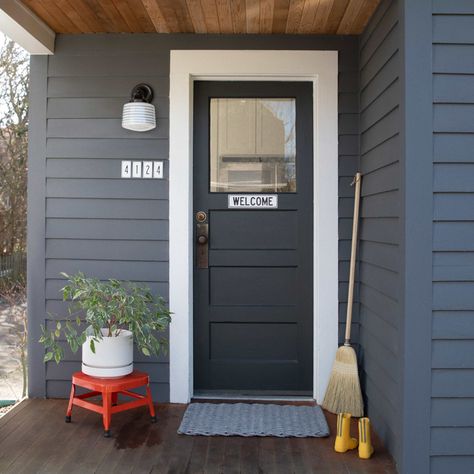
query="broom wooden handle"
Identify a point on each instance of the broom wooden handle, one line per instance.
(355, 228)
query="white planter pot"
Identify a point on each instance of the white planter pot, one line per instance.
(113, 356)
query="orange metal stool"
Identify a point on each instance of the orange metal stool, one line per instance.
(109, 389)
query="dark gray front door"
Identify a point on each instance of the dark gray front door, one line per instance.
(253, 283)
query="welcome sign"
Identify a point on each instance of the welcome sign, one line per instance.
(253, 201)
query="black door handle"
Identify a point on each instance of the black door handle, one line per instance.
(202, 247)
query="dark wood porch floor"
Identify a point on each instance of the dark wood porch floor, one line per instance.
(35, 439)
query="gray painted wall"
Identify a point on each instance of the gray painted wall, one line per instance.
(452, 376)
(416, 274)
(84, 217)
(380, 239)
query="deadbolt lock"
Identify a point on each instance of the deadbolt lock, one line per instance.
(201, 216)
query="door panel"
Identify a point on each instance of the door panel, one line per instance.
(258, 230)
(253, 341)
(253, 319)
(250, 286)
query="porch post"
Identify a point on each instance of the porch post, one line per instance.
(417, 223)
(36, 252)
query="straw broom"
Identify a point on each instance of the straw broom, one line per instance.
(343, 394)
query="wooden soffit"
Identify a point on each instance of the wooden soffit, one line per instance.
(343, 17)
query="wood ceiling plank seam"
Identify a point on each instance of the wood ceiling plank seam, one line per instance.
(74, 16)
(83, 9)
(252, 11)
(266, 16)
(335, 16)
(156, 15)
(322, 16)
(169, 14)
(110, 16)
(238, 16)
(183, 16)
(349, 17)
(211, 17)
(294, 16)
(197, 16)
(308, 16)
(128, 15)
(363, 17)
(67, 25)
(52, 20)
(224, 14)
(280, 15)
(142, 16)
(102, 17)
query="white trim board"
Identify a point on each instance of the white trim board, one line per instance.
(321, 68)
(21, 25)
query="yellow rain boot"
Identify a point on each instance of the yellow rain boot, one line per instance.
(365, 445)
(343, 437)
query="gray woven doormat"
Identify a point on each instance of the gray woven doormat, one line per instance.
(253, 419)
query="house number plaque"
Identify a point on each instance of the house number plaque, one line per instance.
(253, 201)
(139, 169)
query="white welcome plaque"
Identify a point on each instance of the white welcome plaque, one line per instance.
(253, 201)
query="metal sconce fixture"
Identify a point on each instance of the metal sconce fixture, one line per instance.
(139, 114)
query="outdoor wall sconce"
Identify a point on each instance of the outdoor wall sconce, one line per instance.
(139, 114)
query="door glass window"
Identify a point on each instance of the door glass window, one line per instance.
(253, 145)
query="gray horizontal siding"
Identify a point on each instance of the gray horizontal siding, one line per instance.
(84, 107)
(138, 271)
(380, 232)
(443, 464)
(106, 188)
(96, 208)
(148, 250)
(108, 227)
(100, 128)
(453, 325)
(96, 222)
(452, 403)
(148, 148)
(77, 87)
(453, 383)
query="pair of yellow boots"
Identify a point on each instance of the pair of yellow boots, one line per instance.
(344, 442)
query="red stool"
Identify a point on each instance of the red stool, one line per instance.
(109, 390)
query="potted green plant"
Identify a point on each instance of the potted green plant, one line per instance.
(115, 315)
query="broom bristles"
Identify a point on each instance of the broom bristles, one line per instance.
(343, 394)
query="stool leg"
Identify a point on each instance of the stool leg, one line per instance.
(114, 398)
(150, 404)
(107, 412)
(69, 407)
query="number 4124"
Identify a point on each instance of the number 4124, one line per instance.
(142, 169)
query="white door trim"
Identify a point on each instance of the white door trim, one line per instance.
(321, 68)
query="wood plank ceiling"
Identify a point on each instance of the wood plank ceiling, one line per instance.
(341, 17)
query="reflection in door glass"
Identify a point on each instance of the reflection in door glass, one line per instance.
(253, 145)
